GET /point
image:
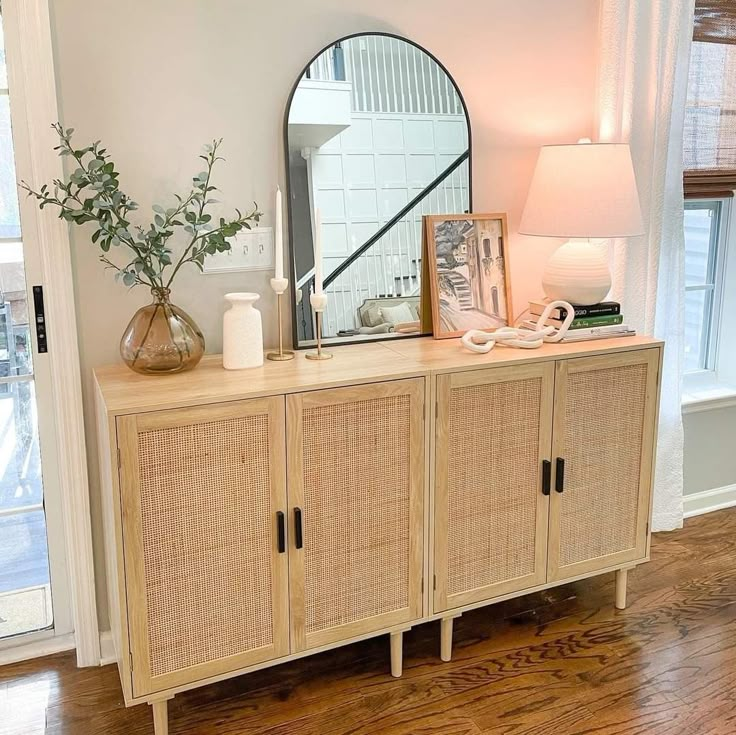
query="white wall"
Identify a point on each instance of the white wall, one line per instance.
(710, 440)
(156, 80)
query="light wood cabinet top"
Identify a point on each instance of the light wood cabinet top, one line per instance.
(447, 355)
(124, 391)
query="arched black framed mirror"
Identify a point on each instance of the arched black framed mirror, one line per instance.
(377, 135)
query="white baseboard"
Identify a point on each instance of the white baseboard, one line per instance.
(56, 644)
(107, 649)
(37, 648)
(709, 500)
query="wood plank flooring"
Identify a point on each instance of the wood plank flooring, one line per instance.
(563, 662)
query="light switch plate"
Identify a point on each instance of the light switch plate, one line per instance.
(250, 250)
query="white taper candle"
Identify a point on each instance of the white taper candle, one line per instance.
(317, 252)
(278, 239)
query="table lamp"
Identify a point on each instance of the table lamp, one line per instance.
(582, 191)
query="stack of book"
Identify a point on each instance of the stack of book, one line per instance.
(597, 321)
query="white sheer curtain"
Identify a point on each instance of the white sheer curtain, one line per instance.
(644, 48)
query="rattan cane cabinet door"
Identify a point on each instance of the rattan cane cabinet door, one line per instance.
(355, 469)
(493, 432)
(604, 430)
(207, 587)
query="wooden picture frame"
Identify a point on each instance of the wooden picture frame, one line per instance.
(467, 272)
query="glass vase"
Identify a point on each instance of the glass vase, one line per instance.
(161, 338)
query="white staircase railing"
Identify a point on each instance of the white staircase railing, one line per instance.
(388, 75)
(391, 267)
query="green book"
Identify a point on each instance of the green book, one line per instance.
(587, 322)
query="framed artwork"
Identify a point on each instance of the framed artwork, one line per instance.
(468, 272)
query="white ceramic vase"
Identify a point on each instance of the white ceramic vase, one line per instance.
(242, 332)
(578, 273)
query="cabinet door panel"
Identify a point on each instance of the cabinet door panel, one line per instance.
(207, 589)
(605, 409)
(493, 432)
(356, 468)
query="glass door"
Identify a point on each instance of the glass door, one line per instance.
(33, 594)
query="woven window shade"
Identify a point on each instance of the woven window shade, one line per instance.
(715, 21)
(710, 116)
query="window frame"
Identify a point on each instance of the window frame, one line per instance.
(717, 379)
(714, 278)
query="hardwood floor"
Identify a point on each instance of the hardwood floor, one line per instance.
(563, 662)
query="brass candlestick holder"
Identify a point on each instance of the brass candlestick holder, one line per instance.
(319, 304)
(279, 286)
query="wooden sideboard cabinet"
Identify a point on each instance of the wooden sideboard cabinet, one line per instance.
(255, 517)
(543, 474)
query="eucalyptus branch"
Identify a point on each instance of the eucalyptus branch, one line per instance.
(210, 159)
(92, 195)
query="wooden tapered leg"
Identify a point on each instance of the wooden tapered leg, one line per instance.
(160, 717)
(397, 653)
(621, 578)
(446, 639)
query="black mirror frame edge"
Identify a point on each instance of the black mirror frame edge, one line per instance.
(292, 260)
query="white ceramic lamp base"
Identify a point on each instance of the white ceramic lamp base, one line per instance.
(578, 273)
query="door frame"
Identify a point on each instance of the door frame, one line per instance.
(443, 601)
(32, 81)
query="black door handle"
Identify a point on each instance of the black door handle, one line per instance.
(546, 476)
(281, 527)
(560, 475)
(298, 537)
(40, 316)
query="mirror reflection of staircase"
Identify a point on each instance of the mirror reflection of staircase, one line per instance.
(388, 264)
(374, 152)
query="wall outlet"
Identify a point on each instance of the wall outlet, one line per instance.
(250, 250)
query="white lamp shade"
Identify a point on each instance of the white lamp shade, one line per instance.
(584, 190)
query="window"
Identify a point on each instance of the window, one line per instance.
(710, 226)
(705, 241)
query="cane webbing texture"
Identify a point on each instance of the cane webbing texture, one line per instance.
(493, 481)
(206, 518)
(357, 494)
(604, 427)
